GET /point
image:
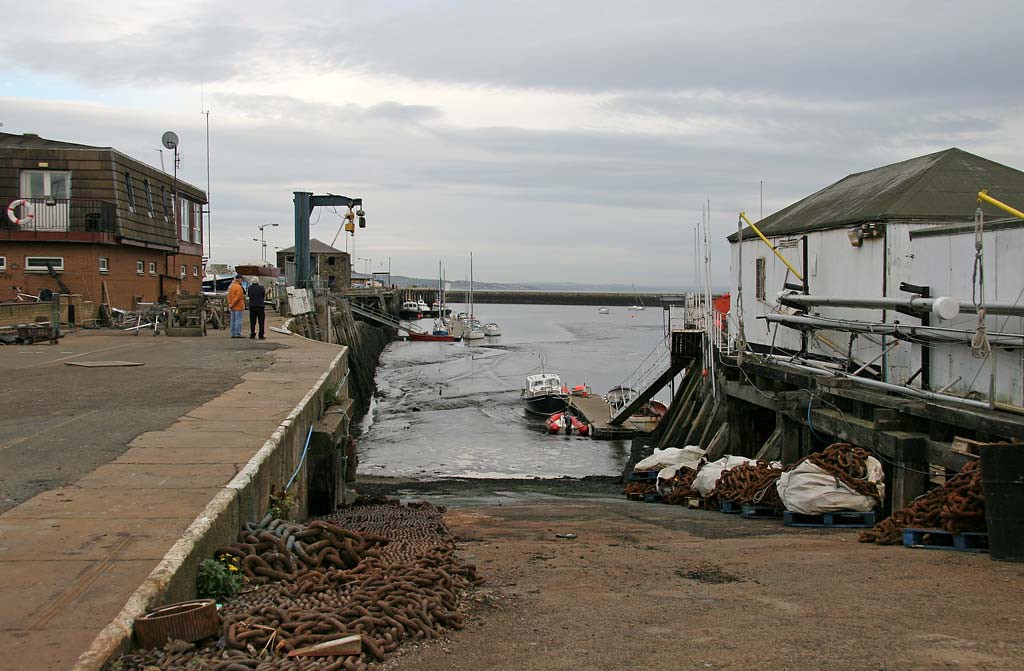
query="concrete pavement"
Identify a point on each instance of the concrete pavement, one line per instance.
(84, 558)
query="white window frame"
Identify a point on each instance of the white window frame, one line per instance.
(36, 268)
(152, 268)
(3, 264)
(140, 267)
(104, 264)
(149, 196)
(184, 271)
(129, 186)
(48, 176)
(195, 271)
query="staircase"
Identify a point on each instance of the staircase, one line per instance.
(384, 318)
(653, 373)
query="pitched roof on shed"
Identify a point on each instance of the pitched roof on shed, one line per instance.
(940, 187)
(315, 247)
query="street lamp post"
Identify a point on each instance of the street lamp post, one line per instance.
(263, 242)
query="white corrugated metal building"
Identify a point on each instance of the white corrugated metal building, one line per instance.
(909, 222)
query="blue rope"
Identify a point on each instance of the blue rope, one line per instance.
(302, 459)
(810, 425)
(305, 449)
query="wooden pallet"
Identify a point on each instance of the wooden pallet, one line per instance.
(754, 511)
(695, 502)
(940, 539)
(840, 519)
(730, 507)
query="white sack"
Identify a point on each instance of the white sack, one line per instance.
(707, 477)
(688, 456)
(809, 490)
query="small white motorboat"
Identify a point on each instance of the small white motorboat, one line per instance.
(492, 329)
(603, 311)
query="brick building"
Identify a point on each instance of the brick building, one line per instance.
(99, 216)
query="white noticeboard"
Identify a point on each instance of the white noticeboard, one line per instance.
(298, 301)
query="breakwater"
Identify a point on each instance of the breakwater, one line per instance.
(549, 297)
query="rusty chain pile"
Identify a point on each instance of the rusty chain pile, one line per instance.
(640, 488)
(957, 506)
(846, 463)
(385, 571)
(749, 483)
(682, 486)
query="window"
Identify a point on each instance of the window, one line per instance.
(149, 195)
(163, 202)
(330, 260)
(140, 267)
(759, 278)
(104, 264)
(184, 212)
(53, 184)
(197, 223)
(131, 191)
(184, 272)
(42, 263)
(3, 263)
(195, 271)
(152, 267)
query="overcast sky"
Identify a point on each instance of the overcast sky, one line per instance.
(559, 141)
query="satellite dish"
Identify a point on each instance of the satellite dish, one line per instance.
(170, 139)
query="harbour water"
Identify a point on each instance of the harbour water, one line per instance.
(453, 409)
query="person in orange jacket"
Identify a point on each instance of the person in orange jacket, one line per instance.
(236, 303)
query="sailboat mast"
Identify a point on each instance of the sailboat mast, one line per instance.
(471, 285)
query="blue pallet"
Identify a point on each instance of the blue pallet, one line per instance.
(753, 511)
(842, 519)
(730, 507)
(940, 539)
(643, 476)
(654, 498)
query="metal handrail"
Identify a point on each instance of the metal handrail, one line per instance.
(73, 215)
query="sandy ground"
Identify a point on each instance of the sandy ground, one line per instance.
(652, 586)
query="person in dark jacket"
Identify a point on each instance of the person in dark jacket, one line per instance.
(257, 309)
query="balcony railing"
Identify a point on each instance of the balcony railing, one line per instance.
(64, 215)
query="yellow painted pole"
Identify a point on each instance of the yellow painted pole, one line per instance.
(771, 246)
(983, 196)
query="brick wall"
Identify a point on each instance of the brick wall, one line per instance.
(82, 274)
(193, 283)
(12, 314)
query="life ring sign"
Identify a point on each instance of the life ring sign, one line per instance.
(28, 213)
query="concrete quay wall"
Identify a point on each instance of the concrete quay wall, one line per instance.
(245, 497)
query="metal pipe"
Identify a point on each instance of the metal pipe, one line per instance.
(897, 330)
(891, 347)
(983, 196)
(909, 391)
(913, 302)
(770, 246)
